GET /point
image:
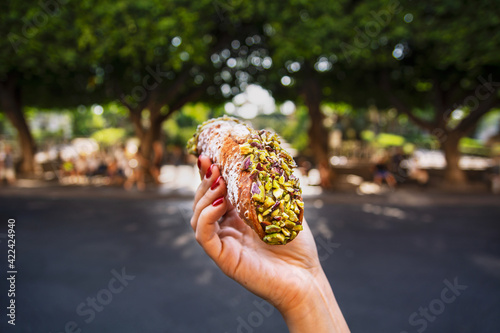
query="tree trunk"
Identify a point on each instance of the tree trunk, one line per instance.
(151, 135)
(147, 137)
(175, 98)
(10, 99)
(454, 175)
(318, 134)
(444, 103)
(135, 117)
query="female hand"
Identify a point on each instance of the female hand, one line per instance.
(288, 276)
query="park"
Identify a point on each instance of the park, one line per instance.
(390, 110)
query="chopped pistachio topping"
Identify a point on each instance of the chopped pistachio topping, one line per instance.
(279, 201)
(273, 228)
(275, 238)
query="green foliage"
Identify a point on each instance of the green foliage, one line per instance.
(40, 55)
(339, 109)
(428, 50)
(143, 32)
(409, 148)
(292, 128)
(489, 121)
(305, 30)
(85, 121)
(389, 140)
(92, 51)
(383, 139)
(109, 136)
(48, 136)
(422, 49)
(181, 127)
(473, 147)
(368, 135)
(194, 114)
(136, 46)
(27, 27)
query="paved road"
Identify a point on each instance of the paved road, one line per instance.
(132, 265)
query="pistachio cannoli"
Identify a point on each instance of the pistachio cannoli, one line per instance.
(258, 175)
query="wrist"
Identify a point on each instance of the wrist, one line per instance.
(315, 307)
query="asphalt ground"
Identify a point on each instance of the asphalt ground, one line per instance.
(93, 262)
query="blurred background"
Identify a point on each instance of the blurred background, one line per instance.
(391, 110)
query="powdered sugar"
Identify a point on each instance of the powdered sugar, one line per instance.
(210, 141)
(231, 175)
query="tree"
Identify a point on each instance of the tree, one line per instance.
(413, 56)
(302, 39)
(38, 61)
(11, 104)
(438, 64)
(17, 56)
(154, 56)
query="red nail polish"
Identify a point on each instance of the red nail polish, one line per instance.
(199, 162)
(215, 184)
(218, 201)
(209, 172)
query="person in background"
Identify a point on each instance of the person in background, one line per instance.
(122, 168)
(2, 170)
(92, 165)
(395, 167)
(68, 170)
(137, 165)
(81, 169)
(495, 175)
(381, 172)
(9, 172)
(417, 173)
(112, 172)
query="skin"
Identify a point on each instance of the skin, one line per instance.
(289, 276)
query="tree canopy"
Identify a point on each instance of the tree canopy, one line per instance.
(436, 63)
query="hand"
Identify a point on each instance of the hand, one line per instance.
(288, 276)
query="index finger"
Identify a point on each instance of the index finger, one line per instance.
(207, 229)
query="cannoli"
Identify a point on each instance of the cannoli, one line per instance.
(258, 175)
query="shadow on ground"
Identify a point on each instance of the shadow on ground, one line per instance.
(125, 264)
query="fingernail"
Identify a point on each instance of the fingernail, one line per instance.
(218, 201)
(209, 172)
(199, 162)
(215, 184)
